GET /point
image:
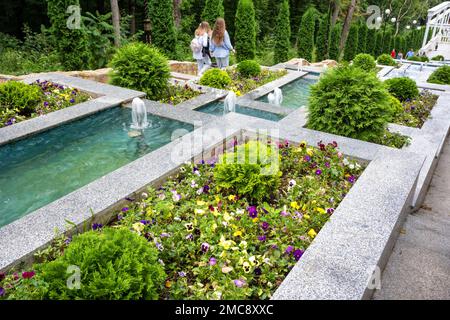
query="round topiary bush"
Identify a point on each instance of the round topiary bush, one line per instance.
(21, 96)
(215, 78)
(252, 171)
(351, 102)
(386, 60)
(141, 67)
(402, 88)
(419, 59)
(114, 264)
(396, 106)
(440, 75)
(438, 58)
(249, 68)
(364, 61)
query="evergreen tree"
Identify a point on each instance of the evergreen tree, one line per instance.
(245, 31)
(306, 34)
(71, 43)
(378, 43)
(387, 42)
(371, 42)
(323, 38)
(351, 46)
(362, 38)
(230, 16)
(163, 28)
(213, 9)
(335, 41)
(282, 34)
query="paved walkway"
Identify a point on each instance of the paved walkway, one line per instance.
(419, 267)
(443, 50)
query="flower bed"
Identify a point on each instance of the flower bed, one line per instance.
(177, 94)
(417, 111)
(215, 242)
(48, 98)
(241, 84)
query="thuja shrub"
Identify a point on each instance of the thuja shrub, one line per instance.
(20, 96)
(114, 264)
(245, 25)
(350, 102)
(440, 75)
(365, 62)
(215, 78)
(249, 68)
(141, 67)
(386, 60)
(251, 171)
(402, 88)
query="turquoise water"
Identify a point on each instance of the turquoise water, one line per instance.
(216, 108)
(40, 169)
(295, 93)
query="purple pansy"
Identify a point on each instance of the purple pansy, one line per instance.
(212, 261)
(298, 254)
(205, 247)
(28, 274)
(264, 226)
(239, 283)
(97, 226)
(289, 249)
(252, 212)
(262, 238)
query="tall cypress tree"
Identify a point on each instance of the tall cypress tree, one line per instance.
(323, 38)
(362, 38)
(282, 34)
(306, 34)
(230, 16)
(378, 43)
(335, 41)
(351, 46)
(163, 28)
(245, 31)
(213, 10)
(71, 43)
(371, 42)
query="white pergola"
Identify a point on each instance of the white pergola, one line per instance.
(439, 25)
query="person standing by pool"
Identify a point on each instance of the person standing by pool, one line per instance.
(220, 45)
(400, 56)
(410, 54)
(206, 44)
(393, 54)
(197, 50)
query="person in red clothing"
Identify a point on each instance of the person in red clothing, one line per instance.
(393, 54)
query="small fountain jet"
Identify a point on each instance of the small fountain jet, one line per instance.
(138, 118)
(230, 103)
(276, 97)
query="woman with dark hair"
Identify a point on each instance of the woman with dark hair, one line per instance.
(220, 44)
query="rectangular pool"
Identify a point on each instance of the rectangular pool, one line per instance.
(216, 108)
(42, 168)
(295, 93)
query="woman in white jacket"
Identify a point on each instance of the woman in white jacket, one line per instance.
(200, 47)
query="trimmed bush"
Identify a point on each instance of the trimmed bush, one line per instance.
(396, 106)
(438, 58)
(215, 78)
(402, 88)
(418, 59)
(115, 264)
(251, 171)
(20, 96)
(306, 34)
(440, 75)
(386, 60)
(213, 9)
(350, 102)
(282, 34)
(141, 67)
(163, 28)
(249, 68)
(365, 61)
(351, 46)
(245, 25)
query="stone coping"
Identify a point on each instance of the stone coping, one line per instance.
(107, 96)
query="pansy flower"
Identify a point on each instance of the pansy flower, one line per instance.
(252, 212)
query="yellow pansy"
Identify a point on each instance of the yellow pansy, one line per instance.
(237, 233)
(227, 217)
(138, 227)
(306, 216)
(201, 203)
(246, 267)
(168, 284)
(243, 244)
(214, 227)
(320, 210)
(232, 197)
(304, 207)
(217, 199)
(310, 151)
(255, 220)
(223, 254)
(312, 233)
(238, 93)
(295, 205)
(226, 244)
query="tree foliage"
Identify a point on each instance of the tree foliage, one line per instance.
(351, 46)
(213, 9)
(282, 34)
(245, 31)
(163, 28)
(306, 34)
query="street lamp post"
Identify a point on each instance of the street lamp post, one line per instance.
(387, 12)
